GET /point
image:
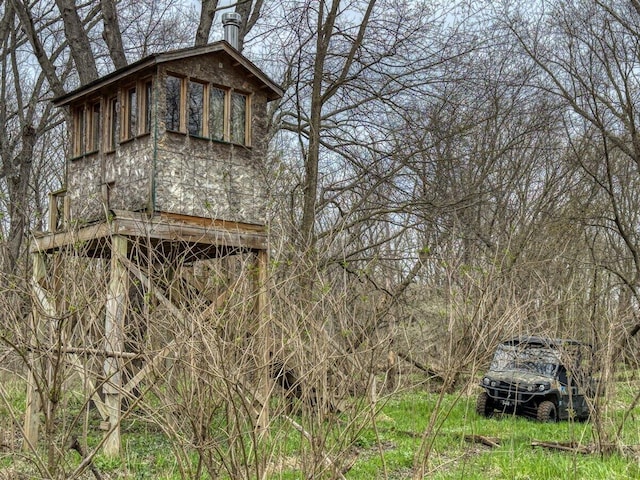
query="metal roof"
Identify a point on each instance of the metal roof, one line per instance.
(542, 341)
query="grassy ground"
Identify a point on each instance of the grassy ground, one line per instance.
(451, 456)
(411, 429)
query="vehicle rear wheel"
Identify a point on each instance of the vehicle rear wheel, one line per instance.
(547, 412)
(484, 405)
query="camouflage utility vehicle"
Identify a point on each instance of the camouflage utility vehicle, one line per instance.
(543, 378)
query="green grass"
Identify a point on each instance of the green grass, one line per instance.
(412, 428)
(451, 457)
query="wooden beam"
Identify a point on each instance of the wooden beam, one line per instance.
(53, 213)
(149, 367)
(50, 242)
(34, 399)
(264, 337)
(135, 270)
(96, 351)
(114, 341)
(45, 305)
(151, 364)
(190, 233)
(214, 222)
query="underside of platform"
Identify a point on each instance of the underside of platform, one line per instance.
(195, 237)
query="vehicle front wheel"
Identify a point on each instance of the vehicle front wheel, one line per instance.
(484, 405)
(547, 412)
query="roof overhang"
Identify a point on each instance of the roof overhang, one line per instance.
(273, 90)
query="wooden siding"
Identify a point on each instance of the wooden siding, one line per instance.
(179, 174)
(208, 179)
(84, 188)
(125, 172)
(205, 178)
(128, 174)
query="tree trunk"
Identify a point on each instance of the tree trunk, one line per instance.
(249, 12)
(111, 33)
(18, 180)
(207, 12)
(45, 62)
(312, 157)
(78, 41)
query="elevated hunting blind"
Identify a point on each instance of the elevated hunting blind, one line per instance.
(165, 162)
(180, 134)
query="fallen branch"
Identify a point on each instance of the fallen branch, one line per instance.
(572, 447)
(488, 441)
(419, 366)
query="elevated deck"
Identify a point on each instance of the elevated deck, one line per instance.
(199, 237)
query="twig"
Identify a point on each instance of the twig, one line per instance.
(75, 445)
(327, 460)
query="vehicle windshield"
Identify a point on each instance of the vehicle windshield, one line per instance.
(526, 358)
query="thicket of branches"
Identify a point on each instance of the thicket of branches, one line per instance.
(441, 176)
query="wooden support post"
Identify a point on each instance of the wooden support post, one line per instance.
(114, 341)
(34, 403)
(263, 310)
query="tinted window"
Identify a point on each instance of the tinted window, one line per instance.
(238, 118)
(216, 113)
(173, 103)
(195, 108)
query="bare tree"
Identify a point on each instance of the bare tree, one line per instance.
(585, 53)
(25, 121)
(207, 13)
(111, 33)
(78, 41)
(592, 68)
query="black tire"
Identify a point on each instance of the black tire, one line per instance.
(484, 405)
(586, 416)
(547, 412)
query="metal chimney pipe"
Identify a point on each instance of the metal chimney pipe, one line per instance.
(231, 22)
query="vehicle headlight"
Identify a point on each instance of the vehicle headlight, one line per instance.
(486, 380)
(494, 383)
(543, 386)
(530, 388)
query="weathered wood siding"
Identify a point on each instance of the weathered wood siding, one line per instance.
(125, 172)
(172, 172)
(205, 178)
(84, 179)
(128, 174)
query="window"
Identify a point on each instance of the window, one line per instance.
(216, 113)
(112, 123)
(174, 101)
(202, 110)
(79, 130)
(137, 110)
(238, 118)
(146, 106)
(195, 109)
(86, 128)
(130, 117)
(93, 133)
